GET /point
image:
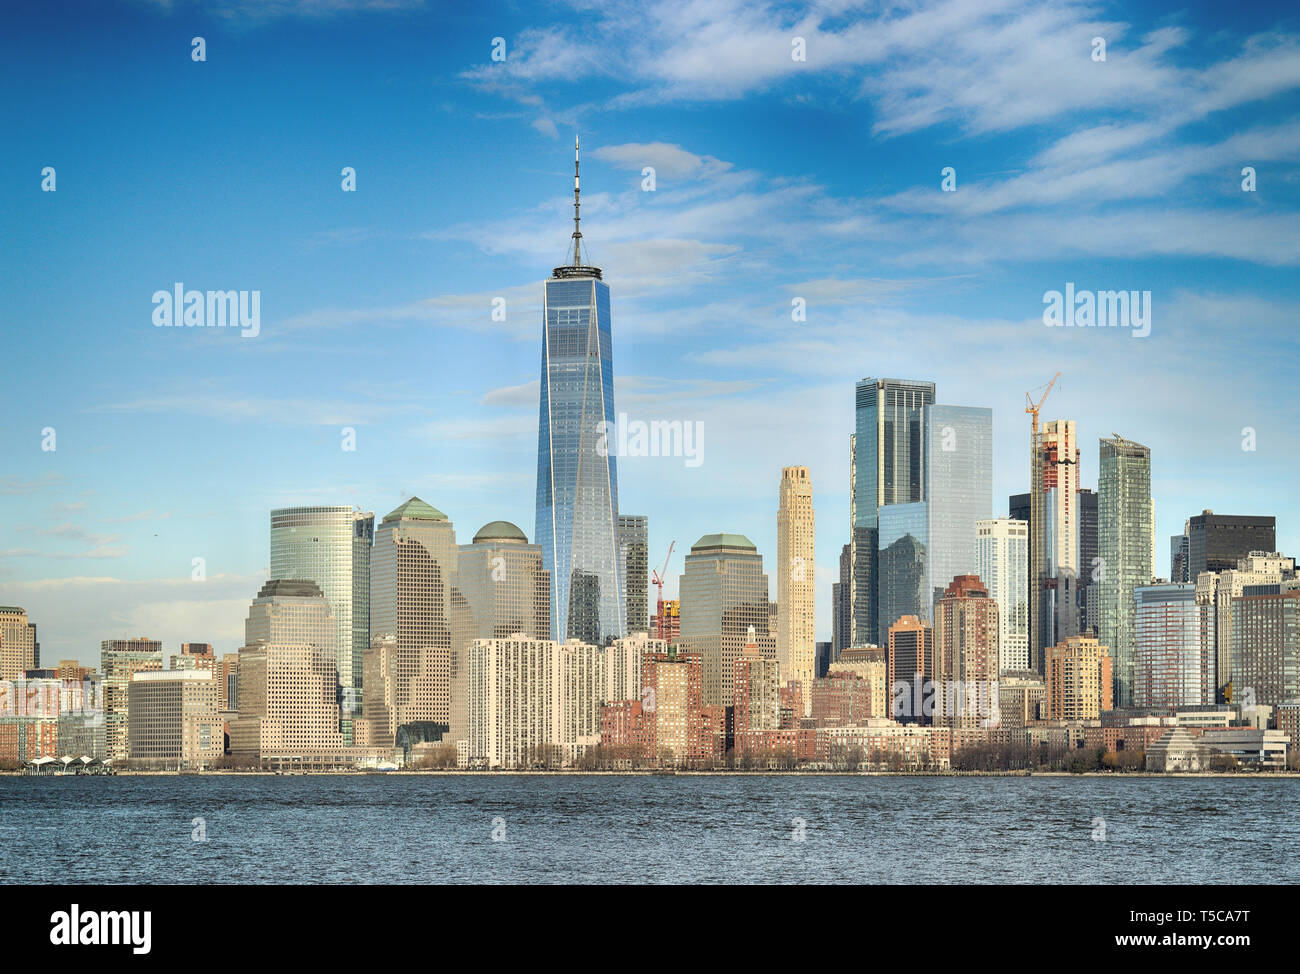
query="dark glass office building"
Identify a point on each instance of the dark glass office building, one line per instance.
(1215, 542)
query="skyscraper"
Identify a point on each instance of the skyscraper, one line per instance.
(958, 490)
(1124, 544)
(287, 679)
(795, 636)
(902, 566)
(1002, 556)
(1173, 647)
(1216, 542)
(19, 650)
(841, 609)
(634, 570)
(1087, 554)
(723, 592)
(910, 663)
(1055, 571)
(888, 468)
(331, 546)
(1221, 591)
(577, 473)
(501, 589)
(119, 659)
(1079, 679)
(1265, 644)
(413, 577)
(966, 663)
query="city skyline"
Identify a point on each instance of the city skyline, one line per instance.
(105, 528)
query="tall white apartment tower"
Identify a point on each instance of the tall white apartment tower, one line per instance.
(1002, 563)
(795, 636)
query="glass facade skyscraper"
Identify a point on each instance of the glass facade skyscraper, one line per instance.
(331, 546)
(634, 569)
(903, 587)
(958, 490)
(1124, 544)
(577, 474)
(888, 467)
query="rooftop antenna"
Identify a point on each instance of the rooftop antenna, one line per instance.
(577, 233)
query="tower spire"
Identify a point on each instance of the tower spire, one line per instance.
(577, 232)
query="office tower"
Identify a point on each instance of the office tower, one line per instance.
(1019, 508)
(1220, 589)
(671, 622)
(1124, 546)
(288, 679)
(1180, 561)
(723, 592)
(958, 480)
(902, 566)
(531, 701)
(634, 570)
(1079, 679)
(1173, 647)
(1216, 542)
(841, 608)
(823, 657)
(1054, 537)
(795, 599)
(331, 546)
(577, 473)
(1265, 645)
(1087, 554)
(174, 721)
(966, 660)
(674, 732)
(910, 662)
(1002, 564)
(757, 682)
(888, 467)
(501, 588)
(412, 580)
(118, 660)
(19, 650)
(228, 672)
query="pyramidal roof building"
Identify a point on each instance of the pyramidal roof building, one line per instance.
(577, 481)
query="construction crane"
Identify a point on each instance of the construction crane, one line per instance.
(658, 579)
(1036, 526)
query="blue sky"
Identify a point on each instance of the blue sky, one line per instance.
(775, 179)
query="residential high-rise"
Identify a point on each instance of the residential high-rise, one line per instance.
(1216, 542)
(888, 467)
(1055, 562)
(1124, 544)
(958, 490)
(331, 546)
(1173, 647)
(674, 730)
(577, 472)
(19, 650)
(1221, 589)
(902, 566)
(531, 701)
(757, 682)
(622, 663)
(1087, 554)
(1002, 559)
(1079, 679)
(634, 570)
(413, 578)
(724, 591)
(288, 701)
(966, 660)
(795, 599)
(1265, 644)
(119, 659)
(910, 662)
(174, 721)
